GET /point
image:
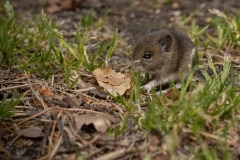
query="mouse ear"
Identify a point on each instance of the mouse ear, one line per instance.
(166, 42)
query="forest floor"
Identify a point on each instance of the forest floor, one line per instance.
(64, 114)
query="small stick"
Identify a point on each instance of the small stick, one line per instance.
(15, 87)
(55, 149)
(64, 109)
(113, 155)
(84, 89)
(36, 115)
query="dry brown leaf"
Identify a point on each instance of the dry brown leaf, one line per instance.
(32, 132)
(59, 5)
(101, 122)
(113, 82)
(45, 91)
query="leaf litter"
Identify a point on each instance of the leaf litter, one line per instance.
(114, 83)
(55, 121)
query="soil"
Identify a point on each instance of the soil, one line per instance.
(133, 19)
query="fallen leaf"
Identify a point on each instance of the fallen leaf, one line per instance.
(113, 82)
(45, 91)
(59, 5)
(32, 132)
(101, 122)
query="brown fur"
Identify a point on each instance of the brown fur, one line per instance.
(171, 56)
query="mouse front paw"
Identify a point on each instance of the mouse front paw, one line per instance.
(146, 88)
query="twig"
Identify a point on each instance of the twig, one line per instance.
(36, 95)
(212, 136)
(90, 142)
(84, 89)
(9, 145)
(82, 110)
(16, 80)
(50, 145)
(36, 115)
(64, 109)
(56, 146)
(113, 155)
(15, 87)
(55, 149)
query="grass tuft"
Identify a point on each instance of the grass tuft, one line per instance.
(228, 29)
(44, 51)
(201, 110)
(196, 119)
(6, 105)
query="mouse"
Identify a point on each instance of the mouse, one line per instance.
(166, 54)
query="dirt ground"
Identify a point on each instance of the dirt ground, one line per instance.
(135, 17)
(132, 18)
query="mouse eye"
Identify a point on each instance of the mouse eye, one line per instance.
(147, 56)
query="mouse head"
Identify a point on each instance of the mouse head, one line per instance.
(154, 51)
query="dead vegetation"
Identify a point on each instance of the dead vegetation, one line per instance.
(65, 114)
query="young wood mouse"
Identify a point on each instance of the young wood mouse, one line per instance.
(166, 54)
